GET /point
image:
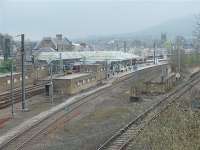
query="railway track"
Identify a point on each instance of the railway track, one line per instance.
(124, 136)
(20, 141)
(5, 98)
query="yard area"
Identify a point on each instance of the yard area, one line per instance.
(177, 128)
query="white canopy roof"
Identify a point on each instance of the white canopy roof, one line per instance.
(87, 56)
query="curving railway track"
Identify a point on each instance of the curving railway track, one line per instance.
(27, 137)
(124, 136)
(33, 90)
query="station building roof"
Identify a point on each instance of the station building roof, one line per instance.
(87, 56)
(72, 76)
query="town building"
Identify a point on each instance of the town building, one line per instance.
(59, 44)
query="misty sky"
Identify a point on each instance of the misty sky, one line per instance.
(82, 18)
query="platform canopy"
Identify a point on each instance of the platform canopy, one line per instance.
(87, 56)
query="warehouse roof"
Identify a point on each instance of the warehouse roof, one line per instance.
(87, 56)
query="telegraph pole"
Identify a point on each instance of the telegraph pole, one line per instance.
(11, 88)
(179, 59)
(37, 67)
(124, 46)
(61, 63)
(106, 69)
(178, 46)
(51, 81)
(154, 53)
(84, 60)
(117, 45)
(23, 73)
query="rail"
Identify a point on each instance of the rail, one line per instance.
(121, 139)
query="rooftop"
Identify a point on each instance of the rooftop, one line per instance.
(72, 76)
(87, 55)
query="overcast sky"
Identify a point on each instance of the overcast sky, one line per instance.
(82, 18)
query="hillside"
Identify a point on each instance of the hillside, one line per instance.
(181, 26)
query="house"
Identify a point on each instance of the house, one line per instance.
(58, 44)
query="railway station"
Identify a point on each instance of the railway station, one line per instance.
(56, 80)
(89, 87)
(102, 75)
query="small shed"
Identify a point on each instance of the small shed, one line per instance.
(74, 83)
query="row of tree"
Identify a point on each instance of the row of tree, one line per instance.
(178, 58)
(6, 45)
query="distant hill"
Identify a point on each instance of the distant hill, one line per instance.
(181, 26)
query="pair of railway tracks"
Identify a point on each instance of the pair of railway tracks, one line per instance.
(27, 137)
(5, 98)
(125, 135)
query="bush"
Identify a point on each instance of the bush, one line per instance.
(5, 66)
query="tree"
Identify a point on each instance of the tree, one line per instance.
(196, 41)
(7, 48)
(197, 33)
(168, 45)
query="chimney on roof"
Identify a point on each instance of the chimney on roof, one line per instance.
(59, 37)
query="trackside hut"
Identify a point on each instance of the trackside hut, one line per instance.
(74, 83)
